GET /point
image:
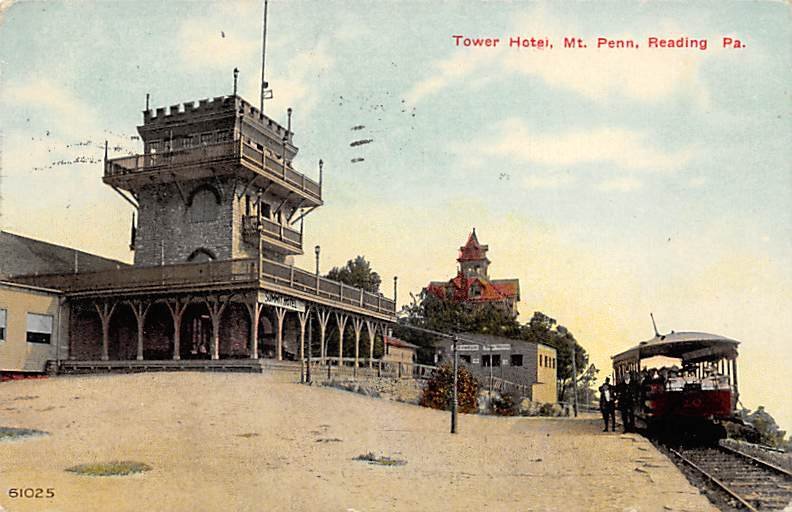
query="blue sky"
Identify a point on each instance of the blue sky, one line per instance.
(611, 182)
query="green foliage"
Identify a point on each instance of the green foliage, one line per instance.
(114, 468)
(16, 433)
(357, 273)
(505, 404)
(766, 428)
(431, 312)
(439, 390)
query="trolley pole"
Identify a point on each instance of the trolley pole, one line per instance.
(454, 401)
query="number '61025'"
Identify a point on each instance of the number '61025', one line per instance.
(31, 492)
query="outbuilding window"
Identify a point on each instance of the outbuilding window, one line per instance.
(493, 360)
(39, 328)
(516, 360)
(3, 315)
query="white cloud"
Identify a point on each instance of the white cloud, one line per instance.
(548, 181)
(619, 147)
(207, 44)
(445, 72)
(295, 84)
(626, 184)
(64, 110)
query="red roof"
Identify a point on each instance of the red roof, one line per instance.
(396, 342)
(472, 250)
(476, 289)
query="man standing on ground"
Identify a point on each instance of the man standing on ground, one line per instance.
(625, 392)
(608, 404)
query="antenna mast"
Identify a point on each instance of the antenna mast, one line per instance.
(654, 325)
(264, 83)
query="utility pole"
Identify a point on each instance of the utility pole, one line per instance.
(455, 400)
(574, 378)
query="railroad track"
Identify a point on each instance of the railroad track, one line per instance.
(755, 484)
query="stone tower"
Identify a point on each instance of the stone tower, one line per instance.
(215, 182)
(472, 259)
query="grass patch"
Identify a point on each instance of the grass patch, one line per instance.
(381, 461)
(114, 468)
(328, 440)
(248, 435)
(9, 433)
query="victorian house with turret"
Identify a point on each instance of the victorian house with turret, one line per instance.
(472, 284)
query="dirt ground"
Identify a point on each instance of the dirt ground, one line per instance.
(247, 442)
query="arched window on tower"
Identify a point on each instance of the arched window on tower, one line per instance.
(201, 255)
(204, 204)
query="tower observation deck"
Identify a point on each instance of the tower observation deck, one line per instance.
(209, 166)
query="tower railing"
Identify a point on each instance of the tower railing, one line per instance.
(254, 226)
(235, 151)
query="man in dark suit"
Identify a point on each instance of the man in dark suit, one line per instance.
(625, 392)
(608, 404)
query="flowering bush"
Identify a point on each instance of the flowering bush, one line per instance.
(438, 393)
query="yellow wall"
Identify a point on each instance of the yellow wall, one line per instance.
(545, 388)
(16, 354)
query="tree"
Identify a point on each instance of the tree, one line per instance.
(357, 273)
(543, 329)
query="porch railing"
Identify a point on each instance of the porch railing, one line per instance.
(307, 282)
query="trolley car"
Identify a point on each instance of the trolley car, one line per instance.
(692, 394)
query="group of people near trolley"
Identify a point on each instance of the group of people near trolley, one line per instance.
(635, 386)
(621, 396)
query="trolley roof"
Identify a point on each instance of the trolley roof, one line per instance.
(688, 346)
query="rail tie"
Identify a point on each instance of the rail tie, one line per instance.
(754, 483)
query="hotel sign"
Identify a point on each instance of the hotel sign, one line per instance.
(496, 346)
(467, 348)
(281, 301)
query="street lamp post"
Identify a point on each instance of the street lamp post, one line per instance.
(310, 342)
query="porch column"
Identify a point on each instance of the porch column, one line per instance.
(323, 316)
(216, 306)
(304, 316)
(140, 309)
(177, 307)
(280, 313)
(357, 325)
(105, 313)
(254, 310)
(341, 320)
(372, 332)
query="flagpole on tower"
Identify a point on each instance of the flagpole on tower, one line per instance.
(263, 58)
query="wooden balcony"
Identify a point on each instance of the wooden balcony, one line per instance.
(213, 276)
(282, 238)
(206, 161)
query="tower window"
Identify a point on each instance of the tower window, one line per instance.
(204, 204)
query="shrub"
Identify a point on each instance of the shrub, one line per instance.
(505, 404)
(438, 393)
